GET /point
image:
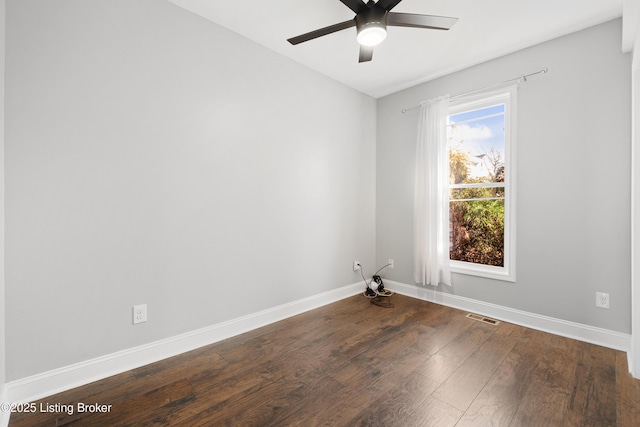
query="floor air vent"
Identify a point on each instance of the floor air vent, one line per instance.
(479, 318)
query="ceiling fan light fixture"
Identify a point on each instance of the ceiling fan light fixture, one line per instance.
(372, 33)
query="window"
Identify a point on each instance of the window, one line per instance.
(481, 181)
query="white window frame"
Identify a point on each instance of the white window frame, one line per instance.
(506, 95)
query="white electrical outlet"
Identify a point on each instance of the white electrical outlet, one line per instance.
(139, 313)
(356, 265)
(391, 263)
(602, 300)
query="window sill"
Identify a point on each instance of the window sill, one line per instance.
(487, 271)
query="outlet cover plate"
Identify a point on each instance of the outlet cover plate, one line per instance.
(602, 300)
(139, 313)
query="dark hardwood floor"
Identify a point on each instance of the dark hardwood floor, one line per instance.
(353, 363)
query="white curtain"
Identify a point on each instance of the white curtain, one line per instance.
(431, 211)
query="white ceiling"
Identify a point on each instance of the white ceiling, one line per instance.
(486, 29)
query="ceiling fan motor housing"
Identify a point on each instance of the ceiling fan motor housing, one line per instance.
(371, 25)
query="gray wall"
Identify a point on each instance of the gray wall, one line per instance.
(155, 157)
(573, 178)
(2, 298)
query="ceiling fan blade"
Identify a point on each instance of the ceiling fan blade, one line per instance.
(388, 4)
(366, 53)
(420, 21)
(356, 5)
(322, 32)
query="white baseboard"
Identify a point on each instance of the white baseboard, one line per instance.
(578, 331)
(55, 381)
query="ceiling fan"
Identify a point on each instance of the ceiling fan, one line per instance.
(371, 22)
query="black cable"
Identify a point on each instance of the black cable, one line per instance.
(384, 266)
(365, 280)
(362, 274)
